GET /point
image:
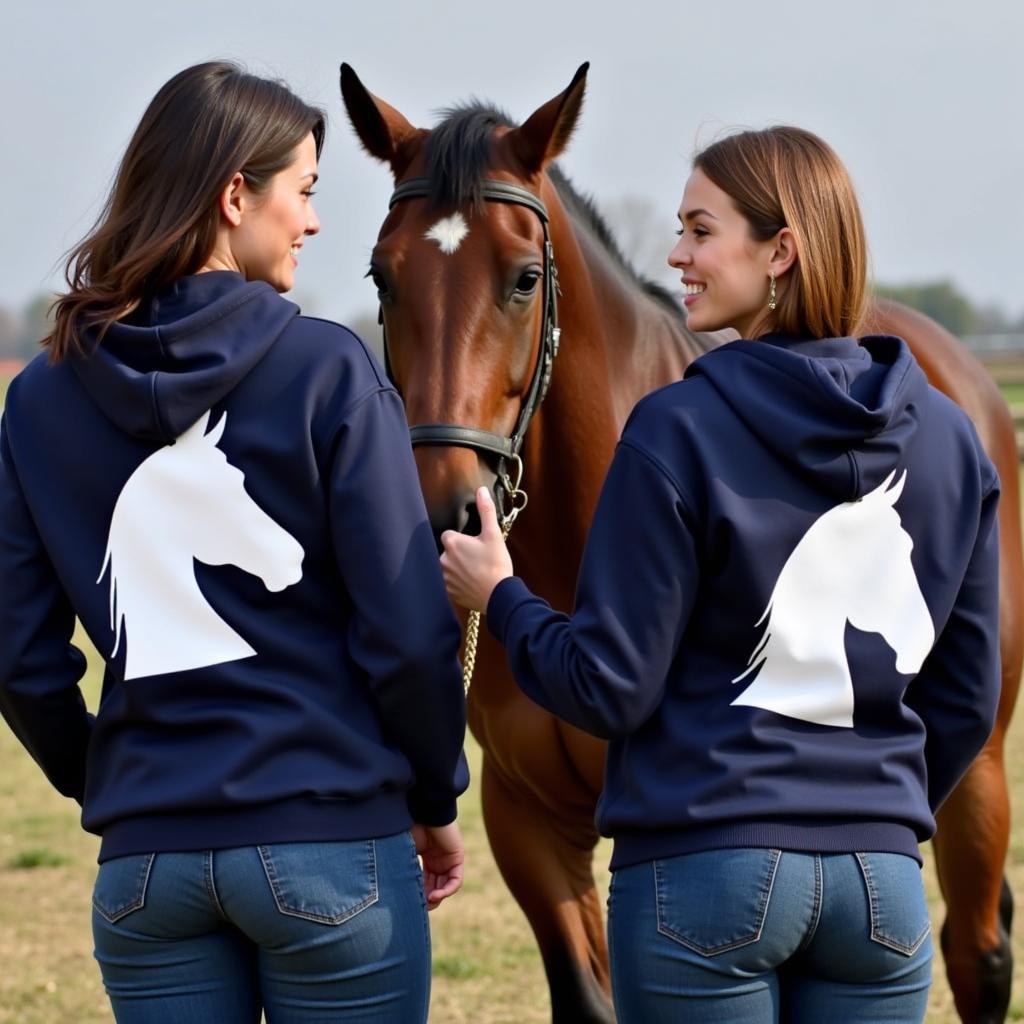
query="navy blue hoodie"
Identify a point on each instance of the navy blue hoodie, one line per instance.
(786, 618)
(225, 495)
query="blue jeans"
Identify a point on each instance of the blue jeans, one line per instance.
(300, 931)
(750, 935)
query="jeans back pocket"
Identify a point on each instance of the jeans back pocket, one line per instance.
(325, 882)
(716, 900)
(896, 899)
(121, 885)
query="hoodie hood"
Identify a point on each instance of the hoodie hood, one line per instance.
(842, 410)
(158, 370)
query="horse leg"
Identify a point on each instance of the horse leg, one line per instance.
(970, 849)
(546, 861)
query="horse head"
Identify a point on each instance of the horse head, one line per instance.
(885, 594)
(224, 526)
(852, 566)
(465, 279)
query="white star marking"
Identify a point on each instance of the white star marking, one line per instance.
(449, 233)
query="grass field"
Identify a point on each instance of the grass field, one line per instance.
(1014, 394)
(486, 968)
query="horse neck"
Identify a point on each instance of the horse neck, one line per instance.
(617, 344)
(820, 625)
(618, 340)
(176, 595)
(820, 630)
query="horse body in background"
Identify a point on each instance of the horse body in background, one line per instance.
(458, 279)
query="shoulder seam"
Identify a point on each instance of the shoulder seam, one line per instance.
(664, 471)
(355, 404)
(362, 344)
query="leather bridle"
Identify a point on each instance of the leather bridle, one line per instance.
(456, 435)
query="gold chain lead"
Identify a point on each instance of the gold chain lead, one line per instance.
(517, 499)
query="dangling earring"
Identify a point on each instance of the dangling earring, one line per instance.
(771, 295)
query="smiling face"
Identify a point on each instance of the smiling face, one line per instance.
(725, 271)
(271, 226)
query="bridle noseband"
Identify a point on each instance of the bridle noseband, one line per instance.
(454, 435)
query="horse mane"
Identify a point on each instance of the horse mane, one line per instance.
(117, 614)
(458, 154)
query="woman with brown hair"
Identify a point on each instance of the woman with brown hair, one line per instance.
(223, 492)
(786, 623)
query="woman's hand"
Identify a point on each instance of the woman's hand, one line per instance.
(440, 849)
(474, 566)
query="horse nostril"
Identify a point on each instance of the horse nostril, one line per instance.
(462, 518)
(471, 524)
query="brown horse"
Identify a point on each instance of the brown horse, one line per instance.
(465, 295)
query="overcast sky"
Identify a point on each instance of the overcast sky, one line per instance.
(922, 99)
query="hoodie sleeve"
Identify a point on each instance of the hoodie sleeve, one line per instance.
(604, 669)
(403, 632)
(39, 667)
(956, 693)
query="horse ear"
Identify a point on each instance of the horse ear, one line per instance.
(892, 496)
(381, 129)
(198, 429)
(547, 131)
(214, 436)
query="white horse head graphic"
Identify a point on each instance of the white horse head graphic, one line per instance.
(186, 502)
(853, 565)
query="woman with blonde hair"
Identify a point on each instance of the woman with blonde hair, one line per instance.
(786, 623)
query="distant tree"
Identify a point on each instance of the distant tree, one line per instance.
(35, 325)
(10, 334)
(992, 319)
(942, 301)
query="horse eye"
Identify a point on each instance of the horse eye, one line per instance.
(378, 281)
(527, 282)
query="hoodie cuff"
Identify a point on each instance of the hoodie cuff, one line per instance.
(431, 811)
(508, 595)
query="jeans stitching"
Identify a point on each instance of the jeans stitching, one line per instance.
(876, 935)
(137, 902)
(211, 885)
(424, 922)
(762, 913)
(819, 892)
(423, 904)
(306, 915)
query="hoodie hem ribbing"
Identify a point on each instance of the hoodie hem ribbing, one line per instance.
(300, 820)
(855, 837)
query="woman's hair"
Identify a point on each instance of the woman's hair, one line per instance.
(161, 217)
(787, 177)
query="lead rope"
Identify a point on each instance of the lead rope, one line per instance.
(517, 499)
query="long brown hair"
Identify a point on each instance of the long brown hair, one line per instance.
(160, 220)
(788, 177)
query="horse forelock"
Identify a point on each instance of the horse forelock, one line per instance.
(458, 154)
